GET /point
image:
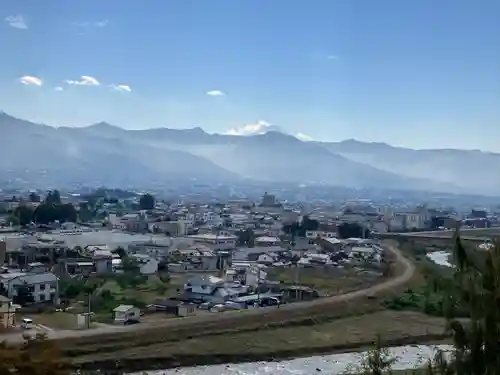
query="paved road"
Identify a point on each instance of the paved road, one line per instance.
(409, 269)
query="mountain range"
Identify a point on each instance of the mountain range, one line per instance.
(112, 156)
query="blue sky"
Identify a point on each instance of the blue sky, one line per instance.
(417, 73)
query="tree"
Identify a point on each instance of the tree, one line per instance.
(309, 224)
(246, 237)
(351, 230)
(34, 197)
(24, 214)
(53, 197)
(147, 202)
(47, 213)
(120, 251)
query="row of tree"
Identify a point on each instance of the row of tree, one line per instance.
(48, 211)
(344, 230)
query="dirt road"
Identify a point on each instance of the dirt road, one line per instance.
(409, 269)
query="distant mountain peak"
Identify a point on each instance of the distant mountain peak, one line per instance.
(103, 125)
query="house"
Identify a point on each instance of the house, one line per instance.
(312, 234)
(205, 284)
(210, 288)
(199, 258)
(176, 307)
(7, 313)
(124, 314)
(331, 244)
(75, 266)
(216, 241)
(171, 228)
(246, 273)
(25, 288)
(267, 241)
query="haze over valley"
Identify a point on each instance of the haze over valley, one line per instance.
(114, 156)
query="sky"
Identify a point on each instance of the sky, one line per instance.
(413, 73)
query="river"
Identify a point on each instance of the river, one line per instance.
(407, 357)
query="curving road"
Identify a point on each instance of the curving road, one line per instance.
(409, 270)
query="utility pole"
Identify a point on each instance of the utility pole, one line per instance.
(258, 285)
(297, 281)
(89, 311)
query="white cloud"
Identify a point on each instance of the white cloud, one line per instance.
(303, 137)
(332, 57)
(58, 88)
(17, 22)
(102, 23)
(87, 24)
(261, 127)
(83, 81)
(215, 93)
(122, 88)
(31, 80)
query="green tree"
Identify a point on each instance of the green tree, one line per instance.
(476, 341)
(47, 213)
(147, 202)
(53, 197)
(34, 197)
(24, 214)
(351, 230)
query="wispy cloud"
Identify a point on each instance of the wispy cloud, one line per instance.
(215, 93)
(17, 22)
(121, 88)
(83, 81)
(87, 24)
(102, 23)
(58, 88)
(261, 127)
(332, 57)
(303, 137)
(31, 80)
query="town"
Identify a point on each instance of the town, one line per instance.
(111, 258)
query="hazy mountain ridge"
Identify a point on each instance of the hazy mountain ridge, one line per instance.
(471, 170)
(113, 156)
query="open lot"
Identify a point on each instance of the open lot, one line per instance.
(327, 281)
(52, 320)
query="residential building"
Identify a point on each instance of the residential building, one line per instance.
(25, 288)
(126, 313)
(216, 241)
(267, 241)
(211, 288)
(312, 234)
(268, 200)
(172, 228)
(195, 258)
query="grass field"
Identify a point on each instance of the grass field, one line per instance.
(331, 281)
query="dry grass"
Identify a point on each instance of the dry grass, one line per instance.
(338, 335)
(328, 281)
(54, 320)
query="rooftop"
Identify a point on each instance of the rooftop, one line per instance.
(211, 236)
